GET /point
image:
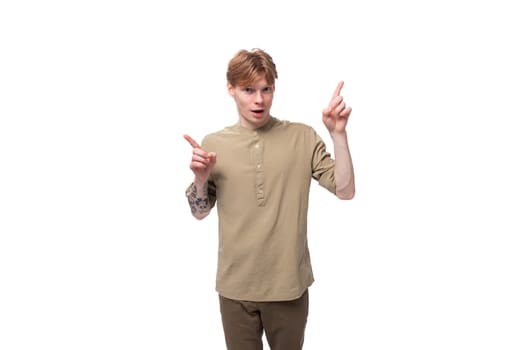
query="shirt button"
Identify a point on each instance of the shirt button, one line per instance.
(259, 166)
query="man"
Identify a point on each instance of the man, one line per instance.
(258, 172)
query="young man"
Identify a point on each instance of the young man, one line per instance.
(258, 172)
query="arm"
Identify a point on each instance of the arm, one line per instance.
(335, 118)
(202, 163)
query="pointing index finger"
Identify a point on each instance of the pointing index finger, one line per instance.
(192, 142)
(338, 89)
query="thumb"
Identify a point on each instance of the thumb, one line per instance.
(213, 157)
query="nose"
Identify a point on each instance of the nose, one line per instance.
(258, 97)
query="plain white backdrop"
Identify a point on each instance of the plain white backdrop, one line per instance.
(98, 249)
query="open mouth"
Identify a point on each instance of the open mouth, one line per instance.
(258, 112)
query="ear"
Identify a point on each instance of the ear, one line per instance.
(230, 89)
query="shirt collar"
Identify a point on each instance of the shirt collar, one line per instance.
(265, 128)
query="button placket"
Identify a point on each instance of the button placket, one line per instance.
(258, 152)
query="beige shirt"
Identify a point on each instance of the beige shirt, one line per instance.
(261, 183)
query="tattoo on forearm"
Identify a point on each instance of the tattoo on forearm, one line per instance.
(200, 204)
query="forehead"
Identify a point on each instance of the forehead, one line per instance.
(259, 81)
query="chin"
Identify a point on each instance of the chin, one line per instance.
(262, 120)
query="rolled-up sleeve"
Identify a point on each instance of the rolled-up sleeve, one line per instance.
(323, 165)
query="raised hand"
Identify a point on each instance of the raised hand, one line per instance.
(335, 116)
(202, 162)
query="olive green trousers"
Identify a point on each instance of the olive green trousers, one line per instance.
(283, 323)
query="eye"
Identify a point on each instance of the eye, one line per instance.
(267, 90)
(248, 90)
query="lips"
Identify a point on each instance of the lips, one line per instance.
(257, 112)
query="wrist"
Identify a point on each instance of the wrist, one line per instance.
(338, 135)
(200, 181)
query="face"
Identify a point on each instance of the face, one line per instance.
(253, 103)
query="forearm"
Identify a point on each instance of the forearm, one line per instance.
(198, 199)
(344, 168)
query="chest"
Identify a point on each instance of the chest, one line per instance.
(258, 155)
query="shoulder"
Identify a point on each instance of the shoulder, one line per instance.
(296, 128)
(217, 137)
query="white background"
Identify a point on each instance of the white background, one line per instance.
(98, 249)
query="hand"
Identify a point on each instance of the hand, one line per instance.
(335, 116)
(202, 162)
